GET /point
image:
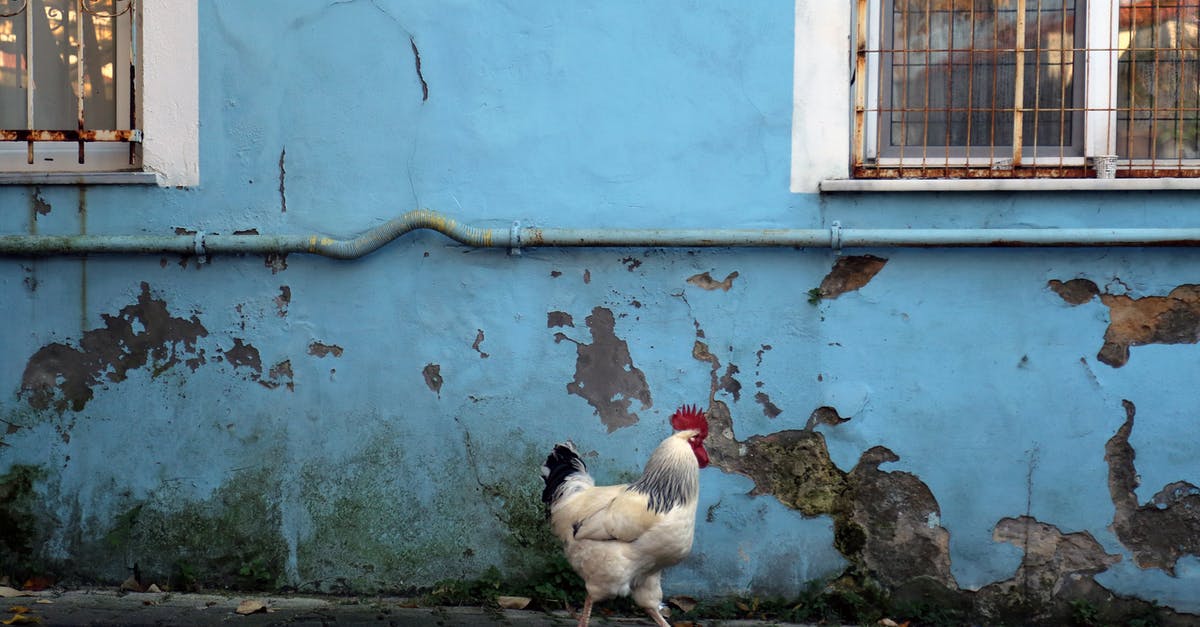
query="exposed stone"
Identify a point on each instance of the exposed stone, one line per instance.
(1157, 533)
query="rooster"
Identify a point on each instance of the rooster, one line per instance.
(619, 538)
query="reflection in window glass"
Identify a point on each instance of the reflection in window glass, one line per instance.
(60, 30)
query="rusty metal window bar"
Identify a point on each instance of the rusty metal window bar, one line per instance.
(67, 86)
(1026, 88)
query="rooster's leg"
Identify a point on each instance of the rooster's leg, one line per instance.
(586, 612)
(658, 619)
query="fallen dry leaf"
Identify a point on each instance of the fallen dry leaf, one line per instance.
(251, 606)
(131, 585)
(887, 622)
(153, 588)
(19, 609)
(21, 619)
(684, 603)
(513, 603)
(8, 593)
(38, 583)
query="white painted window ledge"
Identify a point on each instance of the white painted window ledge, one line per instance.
(80, 178)
(1007, 185)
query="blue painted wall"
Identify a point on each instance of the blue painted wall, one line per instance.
(288, 405)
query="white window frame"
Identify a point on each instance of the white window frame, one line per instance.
(823, 117)
(167, 87)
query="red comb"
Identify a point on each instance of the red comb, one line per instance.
(690, 417)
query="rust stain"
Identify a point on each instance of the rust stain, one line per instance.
(559, 319)
(587, 276)
(433, 378)
(246, 232)
(478, 341)
(705, 281)
(850, 274)
(62, 377)
(1161, 531)
(282, 301)
(605, 375)
(321, 350)
(1170, 319)
(555, 274)
(631, 263)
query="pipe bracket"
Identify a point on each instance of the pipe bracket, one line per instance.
(199, 248)
(514, 238)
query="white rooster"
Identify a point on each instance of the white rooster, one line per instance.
(619, 538)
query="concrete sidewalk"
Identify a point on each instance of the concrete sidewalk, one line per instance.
(106, 607)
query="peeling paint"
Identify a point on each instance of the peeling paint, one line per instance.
(559, 319)
(433, 378)
(1056, 568)
(881, 519)
(478, 341)
(243, 355)
(62, 376)
(1075, 291)
(604, 372)
(319, 349)
(705, 281)
(282, 301)
(1161, 531)
(277, 262)
(729, 383)
(40, 205)
(770, 410)
(1170, 319)
(850, 274)
(280, 374)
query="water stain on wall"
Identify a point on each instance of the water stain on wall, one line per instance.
(604, 372)
(1170, 319)
(62, 377)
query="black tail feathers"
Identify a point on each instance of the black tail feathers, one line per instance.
(563, 462)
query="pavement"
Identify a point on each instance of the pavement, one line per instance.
(137, 609)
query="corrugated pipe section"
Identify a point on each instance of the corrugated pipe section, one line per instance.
(517, 237)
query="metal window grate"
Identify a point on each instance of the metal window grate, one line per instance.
(67, 75)
(1026, 88)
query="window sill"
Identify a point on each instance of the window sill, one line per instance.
(1007, 185)
(79, 178)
